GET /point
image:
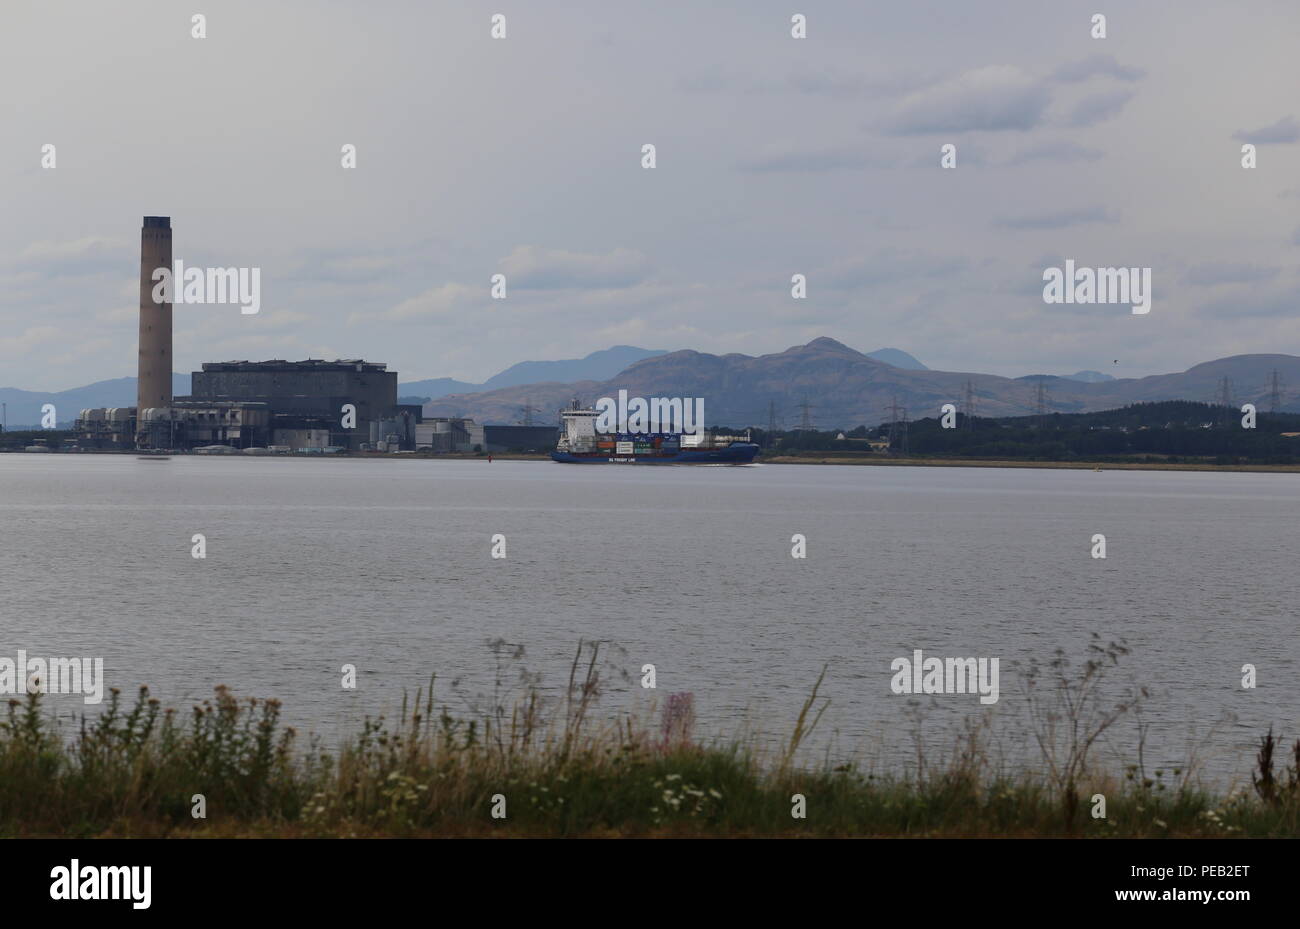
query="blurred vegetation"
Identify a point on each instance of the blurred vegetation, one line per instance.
(1174, 432)
(135, 771)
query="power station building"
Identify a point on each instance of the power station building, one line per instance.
(186, 425)
(306, 388)
(449, 434)
(520, 438)
(244, 404)
(305, 396)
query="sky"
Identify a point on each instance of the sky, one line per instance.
(775, 156)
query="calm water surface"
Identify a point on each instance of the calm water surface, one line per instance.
(313, 564)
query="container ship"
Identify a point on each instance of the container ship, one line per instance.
(580, 443)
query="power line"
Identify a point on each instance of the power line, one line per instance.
(528, 410)
(1040, 404)
(805, 420)
(1224, 399)
(897, 427)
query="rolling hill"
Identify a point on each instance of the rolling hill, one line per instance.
(23, 407)
(846, 388)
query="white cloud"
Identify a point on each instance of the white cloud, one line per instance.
(437, 302)
(1104, 65)
(1098, 107)
(29, 340)
(1284, 131)
(998, 97)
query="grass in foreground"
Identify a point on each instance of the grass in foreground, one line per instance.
(137, 771)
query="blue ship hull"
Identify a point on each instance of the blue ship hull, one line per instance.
(735, 453)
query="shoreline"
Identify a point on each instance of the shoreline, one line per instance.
(1017, 463)
(874, 461)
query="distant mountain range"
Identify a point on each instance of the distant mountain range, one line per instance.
(845, 388)
(898, 358)
(1088, 377)
(595, 367)
(23, 407)
(598, 366)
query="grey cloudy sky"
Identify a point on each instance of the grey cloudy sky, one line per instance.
(775, 156)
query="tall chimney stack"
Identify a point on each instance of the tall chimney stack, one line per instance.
(154, 377)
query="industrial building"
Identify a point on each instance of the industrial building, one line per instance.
(245, 404)
(397, 432)
(284, 405)
(449, 434)
(312, 388)
(310, 396)
(186, 425)
(520, 438)
(456, 434)
(113, 427)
